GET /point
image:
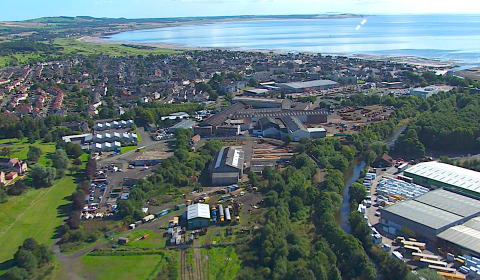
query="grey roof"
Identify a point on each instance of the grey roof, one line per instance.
(225, 175)
(184, 124)
(451, 202)
(276, 112)
(231, 157)
(293, 123)
(422, 213)
(449, 174)
(198, 210)
(220, 118)
(466, 235)
(310, 84)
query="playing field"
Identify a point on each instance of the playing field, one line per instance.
(36, 213)
(125, 267)
(223, 263)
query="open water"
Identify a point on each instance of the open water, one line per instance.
(445, 37)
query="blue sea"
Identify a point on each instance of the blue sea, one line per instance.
(444, 37)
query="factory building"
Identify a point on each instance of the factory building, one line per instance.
(430, 214)
(287, 125)
(198, 216)
(227, 168)
(250, 110)
(298, 87)
(435, 175)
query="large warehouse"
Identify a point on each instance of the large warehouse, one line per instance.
(198, 216)
(430, 214)
(435, 175)
(227, 167)
(280, 127)
(464, 238)
(297, 87)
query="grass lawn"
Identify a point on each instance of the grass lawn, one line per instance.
(121, 267)
(20, 149)
(71, 45)
(223, 263)
(36, 213)
(127, 149)
(154, 240)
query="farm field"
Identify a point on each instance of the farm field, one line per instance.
(35, 213)
(20, 149)
(130, 267)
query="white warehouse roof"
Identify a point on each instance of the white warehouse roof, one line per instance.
(449, 174)
(198, 210)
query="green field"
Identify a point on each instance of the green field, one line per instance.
(20, 149)
(71, 45)
(154, 240)
(127, 149)
(33, 214)
(223, 263)
(123, 267)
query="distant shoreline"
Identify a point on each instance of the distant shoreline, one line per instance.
(413, 60)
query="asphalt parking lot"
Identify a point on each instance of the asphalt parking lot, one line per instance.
(116, 180)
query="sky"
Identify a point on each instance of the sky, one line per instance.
(29, 9)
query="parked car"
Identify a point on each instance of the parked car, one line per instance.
(131, 167)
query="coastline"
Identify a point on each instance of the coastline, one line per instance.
(412, 60)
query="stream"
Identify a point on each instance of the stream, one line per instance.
(353, 175)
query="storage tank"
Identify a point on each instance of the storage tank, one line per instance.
(220, 210)
(227, 215)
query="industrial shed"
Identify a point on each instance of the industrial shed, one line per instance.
(198, 216)
(436, 174)
(464, 238)
(430, 214)
(227, 167)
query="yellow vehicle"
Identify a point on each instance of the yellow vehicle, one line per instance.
(412, 239)
(451, 276)
(415, 244)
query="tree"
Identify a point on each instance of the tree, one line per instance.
(6, 152)
(370, 157)
(25, 259)
(357, 192)
(91, 167)
(73, 169)
(125, 208)
(42, 176)
(60, 159)
(77, 161)
(16, 273)
(253, 82)
(73, 150)
(20, 135)
(34, 153)
(17, 189)
(287, 140)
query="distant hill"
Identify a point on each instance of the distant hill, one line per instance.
(88, 19)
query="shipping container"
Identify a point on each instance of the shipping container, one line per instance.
(180, 206)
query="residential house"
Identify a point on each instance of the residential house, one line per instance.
(8, 163)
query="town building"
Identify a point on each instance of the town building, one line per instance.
(198, 216)
(227, 168)
(175, 116)
(430, 214)
(436, 174)
(383, 161)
